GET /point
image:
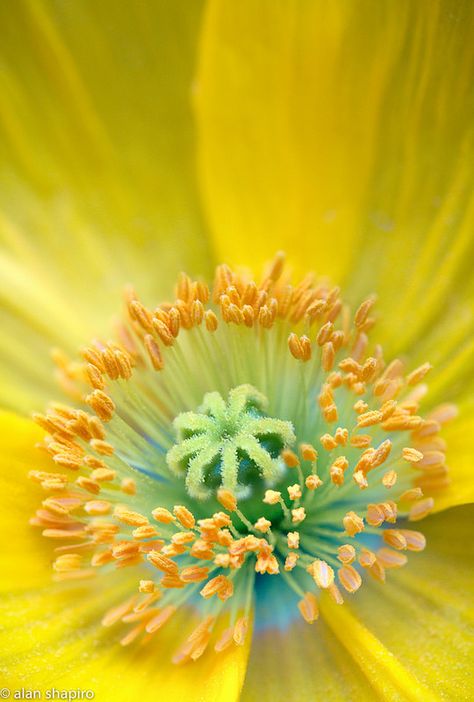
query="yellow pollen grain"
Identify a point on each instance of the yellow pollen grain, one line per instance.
(184, 516)
(154, 352)
(293, 539)
(100, 559)
(324, 334)
(221, 519)
(102, 405)
(94, 377)
(308, 607)
(160, 619)
(103, 475)
(328, 355)
(367, 419)
(328, 442)
(130, 517)
(418, 374)
(88, 484)
(298, 515)
(336, 594)
(360, 440)
(296, 347)
(222, 560)
(144, 532)
(162, 562)
(263, 525)
(146, 586)
(220, 586)
(353, 524)
(291, 561)
(128, 486)
(360, 479)
(102, 447)
(391, 559)
(360, 317)
(290, 458)
(367, 558)
(313, 481)
(421, 509)
(240, 631)
(394, 538)
(360, 406)
(97, 507)
(272, 497)
(225, 640)
(308, 452)
(194, 574)
(174, 321)
(163, 332)
(294, 491)
(411, 494)
(160, 514)
(415, 540)
(346, 554)
(227, 499)
(349, 578)
(322, 573)
(389, 479)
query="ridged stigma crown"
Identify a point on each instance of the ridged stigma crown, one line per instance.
(231, 444)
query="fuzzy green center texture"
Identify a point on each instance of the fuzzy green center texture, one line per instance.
(232, 444)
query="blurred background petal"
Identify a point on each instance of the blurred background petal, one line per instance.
(343, 133)
(97, 171)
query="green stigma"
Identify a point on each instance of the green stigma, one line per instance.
(231, 444)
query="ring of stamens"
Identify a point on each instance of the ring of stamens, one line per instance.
(322, 420)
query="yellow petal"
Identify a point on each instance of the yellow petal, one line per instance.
(345, 135)
(459, 459)
(398, 633)
(98, 186)
(51, 634)
(297, 661)
(24, 556)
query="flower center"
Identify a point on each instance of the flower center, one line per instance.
(254, 432)
(233, 444)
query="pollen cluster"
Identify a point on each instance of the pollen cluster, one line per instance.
(251, 430)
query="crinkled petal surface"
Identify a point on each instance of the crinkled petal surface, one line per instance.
(410, 639)
(343, 133)
(97, 172)
(51, 634)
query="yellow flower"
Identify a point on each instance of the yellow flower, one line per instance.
(228, 470)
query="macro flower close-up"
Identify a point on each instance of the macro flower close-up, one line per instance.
(236, 369)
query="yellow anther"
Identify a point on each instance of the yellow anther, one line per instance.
(421, 509)
(313, 481)
(353, 524)
(290, 458)
(322, 573)
(184, 516)
(263, 525)
(308, 607)
(293, 539)
(227, 499)
(162, 515)
(272, 497)
(346, 554)
(294, 491)
(298, 515)
(349, 578)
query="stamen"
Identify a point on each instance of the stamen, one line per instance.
(220, 397)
